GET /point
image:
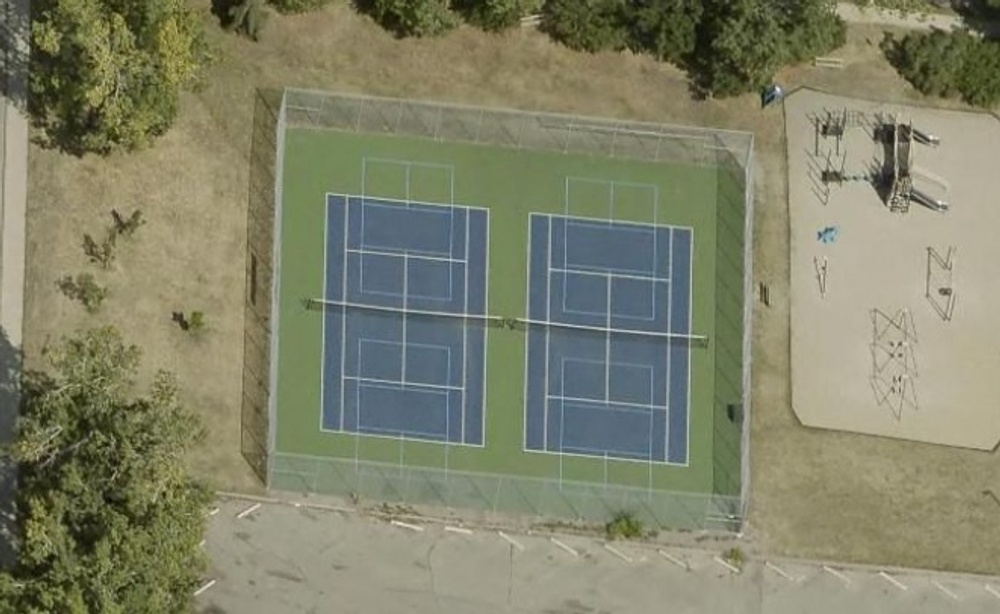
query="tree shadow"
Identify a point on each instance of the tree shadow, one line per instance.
(15, 36)
(979, 16)
(221, 10)
(10, 405)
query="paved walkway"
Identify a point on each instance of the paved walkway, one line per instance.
(13, 193)
(852, 13)
(14, 167)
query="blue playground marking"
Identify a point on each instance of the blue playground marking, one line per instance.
(605, 393)
(406, 375)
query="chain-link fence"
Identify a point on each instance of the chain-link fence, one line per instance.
(515, 129)
(728, 152)
(733, 313)
(254, 423)
(536, 497)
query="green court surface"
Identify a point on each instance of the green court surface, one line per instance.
(511, 184)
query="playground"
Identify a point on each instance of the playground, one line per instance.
(893, 252)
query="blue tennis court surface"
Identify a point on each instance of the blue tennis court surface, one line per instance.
(395, 363)
(613, 381)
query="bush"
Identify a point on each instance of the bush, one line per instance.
(979, 81)
(624, 525)
(84, 289)
(734, 556)
(415, 18)
(103, 253)
(128, 225)
(496, 15)
(930, 62)
(948, 64)
(192, 324)
(586, 25)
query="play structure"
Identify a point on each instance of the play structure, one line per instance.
(893, 178)
(898, 169)
(894, 366)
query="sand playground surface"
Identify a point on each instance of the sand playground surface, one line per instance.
(895, 316)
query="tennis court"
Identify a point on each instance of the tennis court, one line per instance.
(608, 375)
(394, 363)
(510, 311)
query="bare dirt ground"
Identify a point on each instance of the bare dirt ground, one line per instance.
(192, 186)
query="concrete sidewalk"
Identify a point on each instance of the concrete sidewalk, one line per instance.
(13, 197)
(14, 167)
(852, 13)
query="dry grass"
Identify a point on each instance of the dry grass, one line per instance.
(192, 187)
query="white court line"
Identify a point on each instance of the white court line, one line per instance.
(486, 309)
(993, 591)
(601, 272)
(465, 335)
(406, 276)
(420, 203)
(343, 314)
(690, 298)
(385, 383)
(669, 366)
(527, 342)
(548, 335)
(406, 525)
(459, 530)
(599, 222)
(414, 254)
(637, 408)
(322, 324)
(204, 587)
(607, 348)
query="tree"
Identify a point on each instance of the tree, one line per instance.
(107, 74)
(291, 7)
(741, 45)
(948, 64)
(109, 519)
(495, 15)
(811, 27)
(667, 29)
(412, 17)
(586, 25)
(247, 17)
(933, 62)
(979, 80)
